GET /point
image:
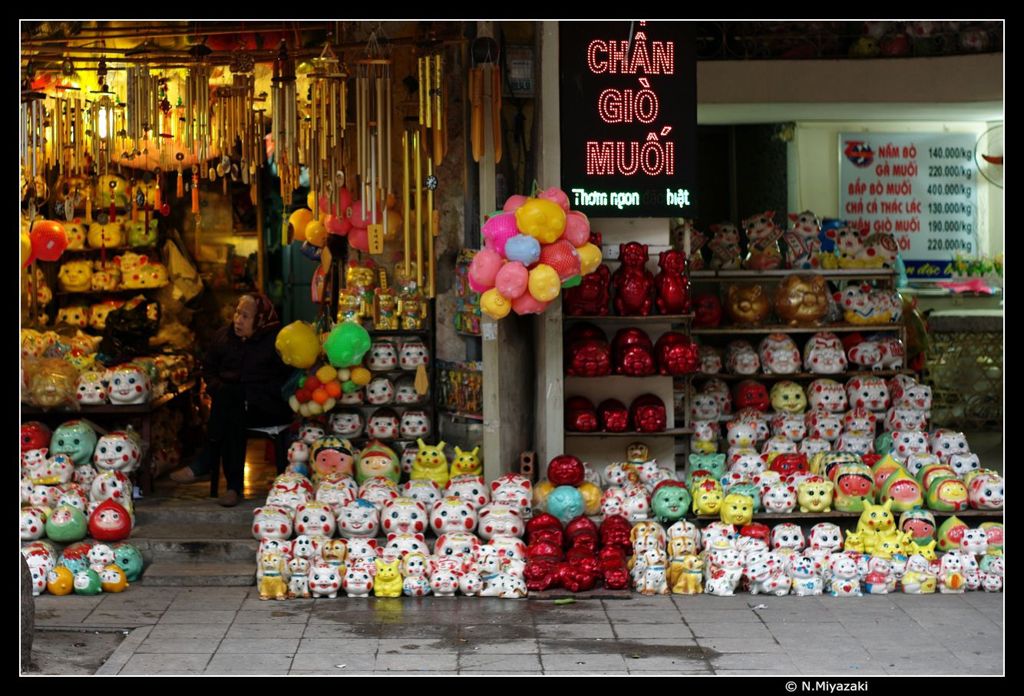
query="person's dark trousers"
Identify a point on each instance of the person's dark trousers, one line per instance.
(227, 428)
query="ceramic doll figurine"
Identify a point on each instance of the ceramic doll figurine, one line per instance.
(951, 573)
(779, 354)
(274, 582)
(879, 577)
(724, 246)
(388, 579)
(805, 577)
(803, 244)
(762, 242)
(845, 576)
(415, 582)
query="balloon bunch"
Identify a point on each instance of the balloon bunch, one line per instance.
(532, 249)
(319, 390)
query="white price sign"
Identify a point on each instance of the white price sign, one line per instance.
(922, 188)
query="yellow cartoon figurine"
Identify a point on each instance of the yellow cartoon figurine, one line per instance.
(467, 462)
(75, 276)
(273, 583)
(815, 495)
(385, 306)
(737, 509)
(876, 518)
(431, 463)
(707, 497)
(689, 581)
(361, 279)
(388, 582)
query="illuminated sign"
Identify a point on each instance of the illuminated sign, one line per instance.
(628, 117)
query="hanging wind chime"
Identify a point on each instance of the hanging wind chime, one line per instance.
(326, 154)
(32, 145)
(373, 139)
(284, 119)
(101, 123)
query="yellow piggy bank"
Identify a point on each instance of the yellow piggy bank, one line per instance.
(815, 495)
(74, 316)
(75, 276)
(77, 232)
(106, 236)
(737, 509)
(707, 497)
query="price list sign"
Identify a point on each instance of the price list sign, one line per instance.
(922, 188)
(628, 121)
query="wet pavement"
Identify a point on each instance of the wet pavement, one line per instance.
(231, 631)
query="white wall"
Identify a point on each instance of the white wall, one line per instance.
(814, 170)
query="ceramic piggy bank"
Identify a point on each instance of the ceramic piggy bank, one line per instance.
(963, 464)
(422, 490)
(907, 443)
(383, 424)
(815, 495)
(75, 276)
(380, 391)
(822, 424)
(633, 285)
(404, 515)
(724, 246)
(500, 520)
(780, 497)
(358, 519)
(845, 576)
(747, 305)
(383, 356)
(741, 359)
(92, 388)
(827, 394)
(325, 580)
(779, 354)
(314, 518)
(413, 354)
(414, 424)
(788, 397)
(803, 243)
(868, 392)
(76, 439)
(824, 354)
(472, 489)
(128, 384)
(670, 501)
(111, 485)
(946, 443)
(802, 300)
(985, 491)
(271, 522)
(452, 514)
(117, 451)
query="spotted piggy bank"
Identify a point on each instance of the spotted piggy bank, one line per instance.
(92, 389)
(358, 519)
(868, 392)
(324, 581)
(945, 443)
(347, 424)
(779, 354)
(827, 394)
(986, 492)
(457, 545)
(107, 235)
(413, 354)
(907, 443)
(314, 518)
(272, 522)
(422, 490)
(401, 545)
(500, 520)
(118, 451)
(453, 514)
(404, 515)
(823, 425)
(77, 315)
(470, 488)
(780, 497)
(128, 384)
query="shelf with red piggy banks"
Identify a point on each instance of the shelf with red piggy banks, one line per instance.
(343, 521)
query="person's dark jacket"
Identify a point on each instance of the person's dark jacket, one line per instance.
(251, 369)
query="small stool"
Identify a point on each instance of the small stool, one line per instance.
(276, 442)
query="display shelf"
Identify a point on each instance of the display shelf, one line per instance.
(114, 250)
(650, 319)
(743, 274)
(398, 332)
(672, 432)
(784, 328)
(656, 375)
(798, 376)
(97, 293)
(130, 410)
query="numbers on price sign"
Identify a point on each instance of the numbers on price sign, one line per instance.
(950, 245)
(960, 153)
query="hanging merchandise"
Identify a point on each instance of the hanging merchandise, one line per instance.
(373, 144)
(285, 123)
(328, 197)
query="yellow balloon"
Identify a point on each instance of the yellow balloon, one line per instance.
(310, 200)
(26, 247)
(544, 283)
(494, 305)
(316, 233)
(298, 221)
(298, 345)
(360, 375)
(590, 258)
(325, 259)
(327, 373)
(542, 219)
(591, 497)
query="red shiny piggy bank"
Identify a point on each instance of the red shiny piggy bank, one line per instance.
(751, 394)
(632, 282)
(707, 313)
(677, 354)
(591, 296)
(613, 416)
(566, 470)
(648, 414)
(672, 283)
(633, 353)
(580, 415)
(589, 358)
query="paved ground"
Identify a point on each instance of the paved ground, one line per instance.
(230, 631)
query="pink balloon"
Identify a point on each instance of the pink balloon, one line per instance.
(344, 201)
(477, 287)
(325, 205)
(577, 228)
(337, 225)
(512, 280)
(527, 304)
(360, 218)
(514, 203)
(485, 267)
(555, 195)
(498, 230)
(358, 238)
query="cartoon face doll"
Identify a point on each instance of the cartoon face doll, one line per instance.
(331, 455)
(117, 451)
(359, 519)
(413, 354)
(346, 424)
(383, 424)
(310, 432)
(128, 385)
(380, 391)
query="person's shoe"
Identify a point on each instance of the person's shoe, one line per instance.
(230, 499)
(184, 475)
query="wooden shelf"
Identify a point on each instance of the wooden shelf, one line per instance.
(112, 250)
(784, 328)
(398, 332)
(673, 432)
(799, 376)
(98, 293)
(107, 409)
(650, 319)
(656, 375)
(743, 274)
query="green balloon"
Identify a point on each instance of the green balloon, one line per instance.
(349, 387)
(347, 344)
(302, 381)
(572, 282)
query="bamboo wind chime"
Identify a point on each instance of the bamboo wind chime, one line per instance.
(142, 113)
(236, 122)
(197, 128)
(102, 126)
(328, 106)
(479, 96)
(373, 144)
(284, 118)
(32, 145)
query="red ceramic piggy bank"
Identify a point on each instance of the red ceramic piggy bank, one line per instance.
(677, 354)
(591, 296)
(648, 413)
(632, 282)
(707, 312)
(672, 283)
(751, 394)
(633, 353)
(589, 357)
(756, 530)
(613, 416)
(566, 470)
(788, 464)
(580, 415)
(544, 528)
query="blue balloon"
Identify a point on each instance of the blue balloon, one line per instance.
(565, 503)
(524, 249)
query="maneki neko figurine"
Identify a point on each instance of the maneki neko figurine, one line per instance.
(725, 247)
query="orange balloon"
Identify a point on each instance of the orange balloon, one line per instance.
(333, 389)
(320, 395)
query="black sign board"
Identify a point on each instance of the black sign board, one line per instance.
(628, 117)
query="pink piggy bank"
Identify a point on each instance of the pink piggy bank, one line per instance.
(470, 488)
(452, 514)
(270, 522)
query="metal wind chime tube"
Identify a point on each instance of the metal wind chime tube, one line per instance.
(327, 128)
(285, 124)
(373, 134)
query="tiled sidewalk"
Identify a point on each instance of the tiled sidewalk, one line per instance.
(230, 631)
